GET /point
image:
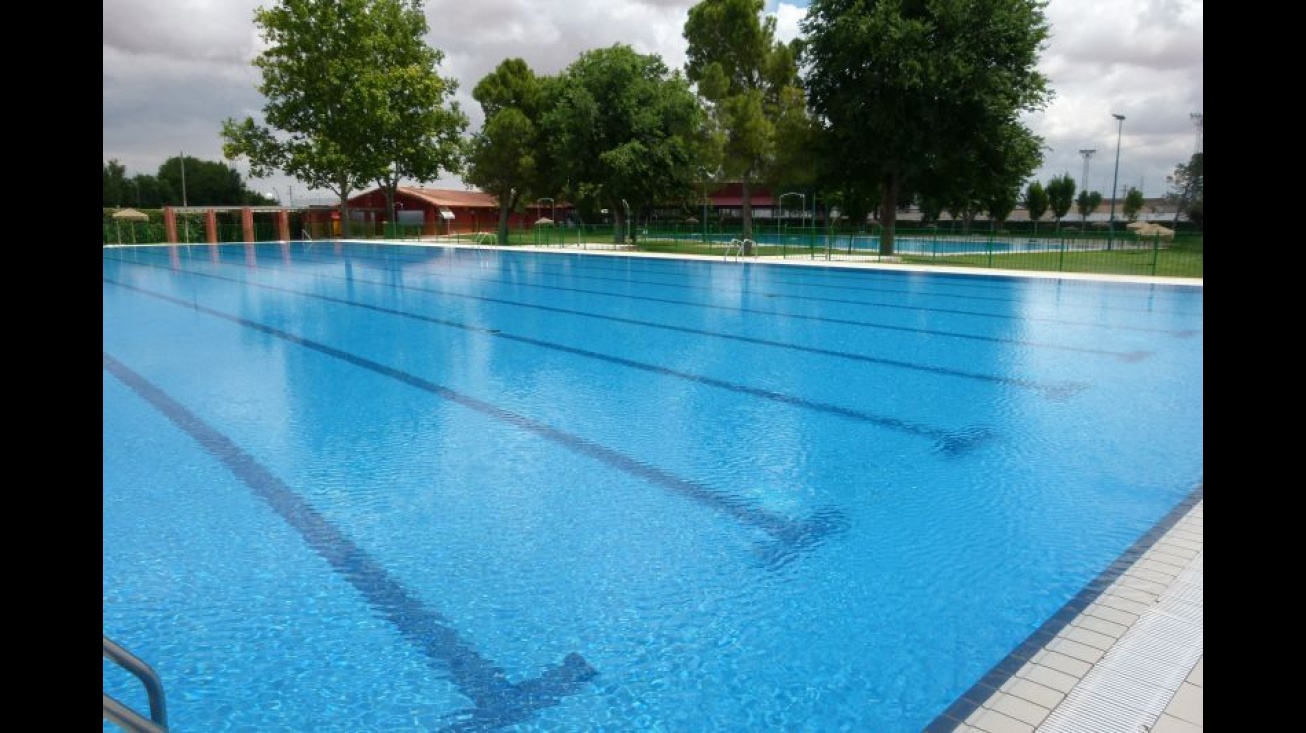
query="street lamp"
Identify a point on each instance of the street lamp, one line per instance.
(1111, 225)
(554, 214)
(802, 205)
(702, 172)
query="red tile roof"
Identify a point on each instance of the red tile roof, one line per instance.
(451, 197)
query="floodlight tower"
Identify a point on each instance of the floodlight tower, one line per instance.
(1196, 117)
(1087, 154)
(1111, 224)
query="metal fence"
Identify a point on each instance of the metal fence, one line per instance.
(1044, 247)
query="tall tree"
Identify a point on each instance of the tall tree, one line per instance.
(625, 130)
(1087, 202)
(504, 156)
(1036, 202)
(1061, 196)
(1132, 204)
(417, 127)
(1000, 202)
(904, 87)
(337, 77)
(1186, 191)
(750, 81)
(115, 183)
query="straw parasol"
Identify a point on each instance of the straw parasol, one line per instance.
(543, 221)
(131, 215)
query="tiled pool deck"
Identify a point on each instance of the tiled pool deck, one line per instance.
(1125, 655)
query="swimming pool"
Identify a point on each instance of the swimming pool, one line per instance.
(370, 487)
(798, 241)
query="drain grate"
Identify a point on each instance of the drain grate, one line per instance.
(1129, 688)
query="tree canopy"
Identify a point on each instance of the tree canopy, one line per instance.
(353, 97)
(1036, 202)
(750, 83)
(625, 130)
(505, 154)
(1186, 189)
(909, 89)
(1061, 196)
(207, 183)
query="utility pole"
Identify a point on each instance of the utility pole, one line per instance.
(185, 220)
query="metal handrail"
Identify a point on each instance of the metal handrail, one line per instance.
(125, 716)
(739, 246)
(128, 719)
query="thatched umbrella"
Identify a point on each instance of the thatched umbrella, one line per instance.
(131, 215)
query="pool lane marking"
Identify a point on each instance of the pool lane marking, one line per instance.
(949, 442)
(1177, 333)
(1052, 391)
(1126, 356)
(793, 534)
(476, 677)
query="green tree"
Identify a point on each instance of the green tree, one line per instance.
(417, 127)
(1036, 202)
(1186, 190)
(1061, 196)
(1132, 204)
(335, 75)
(904, 88)
(115, 183)
(626, 131)
(999, 203)
(750, 82)
(189, 181)
(504, 154)
(1087, 202)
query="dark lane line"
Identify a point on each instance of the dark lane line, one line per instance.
(1128, 356)
(653, 267)
(792, 535)
(949, 442)
(498, 702)
(588, 266)
(1053, 391)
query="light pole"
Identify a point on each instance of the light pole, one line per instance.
(802, 204)
(554, 210)
(1111, 224)
(705, 176)
(1087, 154)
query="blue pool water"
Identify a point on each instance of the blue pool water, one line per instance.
(369, 487)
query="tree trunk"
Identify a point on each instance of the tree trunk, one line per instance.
(746, 212)
(505, 208)
(888, 214)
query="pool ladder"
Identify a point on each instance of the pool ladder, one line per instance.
(739, 245)
(127, 718)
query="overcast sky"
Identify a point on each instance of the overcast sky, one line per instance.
(173, 71)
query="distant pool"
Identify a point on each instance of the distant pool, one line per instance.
(370, 487)
(940, 246)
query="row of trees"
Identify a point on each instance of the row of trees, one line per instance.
(181, 178)
(891, 102)
(880, 104)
